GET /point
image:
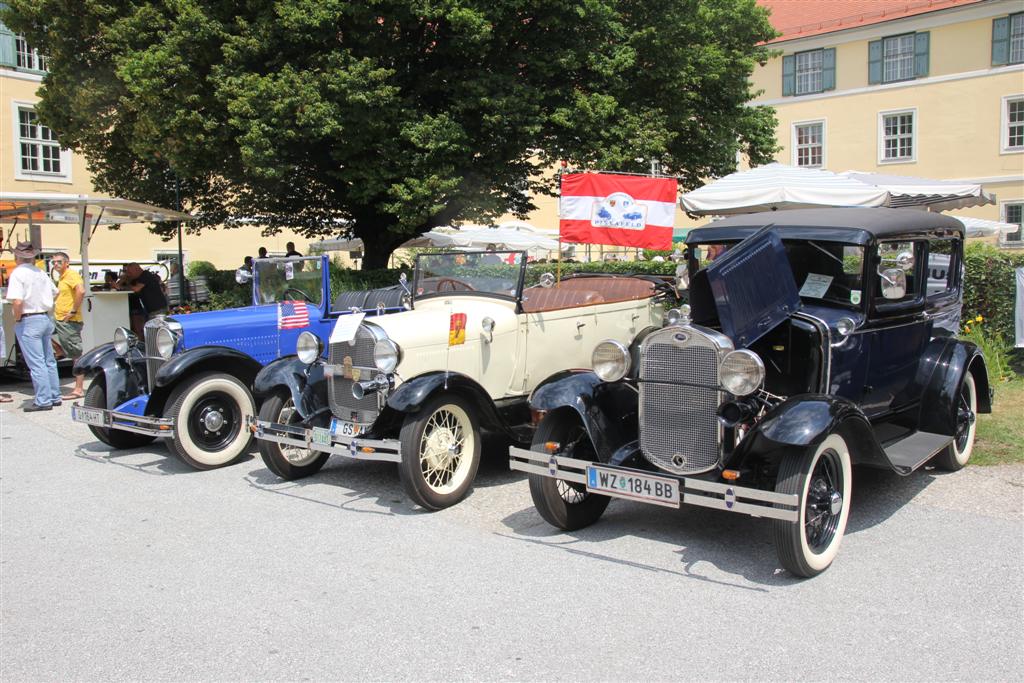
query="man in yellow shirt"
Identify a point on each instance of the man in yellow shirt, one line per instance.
(67, 313)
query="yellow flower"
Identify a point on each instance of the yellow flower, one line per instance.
(967, 328)
(979, 319)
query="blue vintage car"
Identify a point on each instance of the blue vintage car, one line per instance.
(189, 381)
(813, 341)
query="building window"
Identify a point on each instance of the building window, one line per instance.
(808, 72)
(809, 144)
(1017, 38)
(1013, 123)
(1014, 213)
(898, 58)
(897, 136)
(27, 56)
(40, 151)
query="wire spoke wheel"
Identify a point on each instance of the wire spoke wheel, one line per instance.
(440, 446)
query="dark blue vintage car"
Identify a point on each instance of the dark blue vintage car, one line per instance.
(813, 340)
(190, 380)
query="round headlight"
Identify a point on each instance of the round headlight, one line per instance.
(741, 373)
(610, 360)
(845, 327)
(308, 347)
(124, 340)
(386, 355)
(165, 342)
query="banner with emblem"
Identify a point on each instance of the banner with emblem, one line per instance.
(618, 210)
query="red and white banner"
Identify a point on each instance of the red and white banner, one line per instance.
(619, 210)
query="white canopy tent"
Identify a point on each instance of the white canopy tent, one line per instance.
(979, 227)
(936, 195)
(516, 235)
(778, 186)
(42, 208)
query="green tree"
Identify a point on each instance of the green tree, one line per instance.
(385, 118)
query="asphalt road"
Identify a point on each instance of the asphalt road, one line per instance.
(129, 565)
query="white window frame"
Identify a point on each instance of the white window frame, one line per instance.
(1003, 206)
(890, 39)
(36, 61)
(794, 155)
(1018, 18)
(820, 72)
(916, 124)
(1004, 125)
(63, 177)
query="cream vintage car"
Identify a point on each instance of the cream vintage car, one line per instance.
(416, 387)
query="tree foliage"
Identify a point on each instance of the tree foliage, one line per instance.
(385, 118)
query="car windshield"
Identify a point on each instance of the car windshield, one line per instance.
(497, 273)
(288, 279)
(824, 271)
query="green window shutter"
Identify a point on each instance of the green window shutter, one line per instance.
(7, 53)
(1000, 41)
(788, 75)
(875, 62)
(828, 69)
(921, 54)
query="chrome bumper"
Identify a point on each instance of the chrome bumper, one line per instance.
(125, 422)
(749, 501)
(379, 450)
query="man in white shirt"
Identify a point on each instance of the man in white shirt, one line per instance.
(31, 293)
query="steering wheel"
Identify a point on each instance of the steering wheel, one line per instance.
(305, 296)
(454, 284)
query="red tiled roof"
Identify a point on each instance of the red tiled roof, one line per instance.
(802, 18)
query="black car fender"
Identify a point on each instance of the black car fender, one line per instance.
(410, 396)
(123, 377)
(939, 399)
(305, 383)
(608, 410)
(804, 421)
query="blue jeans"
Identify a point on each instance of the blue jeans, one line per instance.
(34, 333)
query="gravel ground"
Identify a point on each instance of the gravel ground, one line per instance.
(129, 565)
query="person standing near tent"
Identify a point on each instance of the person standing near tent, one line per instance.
(31, 293)
(67, 315)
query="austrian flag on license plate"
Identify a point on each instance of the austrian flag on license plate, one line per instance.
(633, 486)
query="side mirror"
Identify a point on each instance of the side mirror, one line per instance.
(547, 280)
(487, 326)
(243, 276)
(894, 283)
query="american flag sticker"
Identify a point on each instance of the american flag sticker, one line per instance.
(292, 315)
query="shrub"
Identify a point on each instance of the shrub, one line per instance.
(990, 289)
(197, 268)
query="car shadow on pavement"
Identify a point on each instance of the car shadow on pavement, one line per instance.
(161, 462)
(733, 544)
(359, 482)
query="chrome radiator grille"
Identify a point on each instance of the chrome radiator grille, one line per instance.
(358, 356)
(679, 429)
(153, 359)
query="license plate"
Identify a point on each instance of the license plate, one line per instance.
(90, 416)
(633, 486)
(345, 428)
(321, 436)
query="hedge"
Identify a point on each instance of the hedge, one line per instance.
(990, 287)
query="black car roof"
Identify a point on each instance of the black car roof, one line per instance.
(853, 226)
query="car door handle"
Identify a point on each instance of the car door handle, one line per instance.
(580, 326)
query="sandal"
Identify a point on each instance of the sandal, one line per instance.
(73, 395)
(6, 398)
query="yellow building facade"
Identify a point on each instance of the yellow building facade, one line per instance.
(936, 94)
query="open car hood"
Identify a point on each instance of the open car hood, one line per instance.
(753, 287)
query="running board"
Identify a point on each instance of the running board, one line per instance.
(909, 453)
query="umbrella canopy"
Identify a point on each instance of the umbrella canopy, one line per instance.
(778, 186)
(510, 237)
(937, 195)
(979, 227)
